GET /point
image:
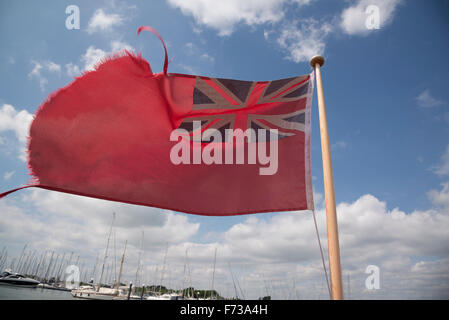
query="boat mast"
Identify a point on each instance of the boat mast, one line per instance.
(106, 251)
(233, 281)
(95, 268)
(28, 262)
(53, 268)
(213, 273)
(138, 262)
(18, 267)
(60, 268)
(184, 279)
(115, 259)
(3, 258)
(163, 268)
(48, 268)
(37, 270)
(70, 259)
(190, 276)
(121, 265)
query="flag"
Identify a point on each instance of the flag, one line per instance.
(194, 144)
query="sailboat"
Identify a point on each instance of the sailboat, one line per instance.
(123, 291)
(98, 292)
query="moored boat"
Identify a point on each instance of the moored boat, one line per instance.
(89, 292)
(165, 296)
(16, 279)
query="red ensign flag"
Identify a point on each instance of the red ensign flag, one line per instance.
(193, 144)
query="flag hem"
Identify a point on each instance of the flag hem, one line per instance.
(154, 206)
(307, 155)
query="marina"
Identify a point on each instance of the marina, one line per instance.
(51, 276)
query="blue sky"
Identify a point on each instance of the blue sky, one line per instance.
(386, 93)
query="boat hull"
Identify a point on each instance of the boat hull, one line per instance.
(21, 284)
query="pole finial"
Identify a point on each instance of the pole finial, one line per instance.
(316, 60)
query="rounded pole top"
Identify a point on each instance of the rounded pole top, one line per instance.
(316, 60)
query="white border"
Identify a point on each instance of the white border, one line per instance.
(307, 158)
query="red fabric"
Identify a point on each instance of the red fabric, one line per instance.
(106, 135)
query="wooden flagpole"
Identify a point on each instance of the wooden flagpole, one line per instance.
(331, 213)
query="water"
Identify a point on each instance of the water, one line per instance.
(17, 293)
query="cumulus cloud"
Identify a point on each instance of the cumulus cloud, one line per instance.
(440, 198)
(274, 255)
(41, 68)
(130, 219)
(279, 255)
(223, 16)
(399, 243)
(94, 55)
(65, 223)
(353, 18)
(19, 123)
(305, 39)
(442, 169)
(101, 21)
(53, 67)
(426, 100)
(301, 40)
(72, 69)
(117, 45)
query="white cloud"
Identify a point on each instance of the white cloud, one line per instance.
(7, 175)
(117, 45)
(192, 49)
(36, 69)
(223, 16)
(101, 21)
(353, 18)
(266, 34)
(17, 122)
(426, 100)
(93, 55)
(305, 39)
(369, 234)
(66, 223)
(130, 219)
(36, 73)
(277, 254)
(189, 69)
(207, 57)
(43, 67)
(440, 198)
(53, 67)
(72, 70)
(442, 169)
(196, 30)
(301, 40)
